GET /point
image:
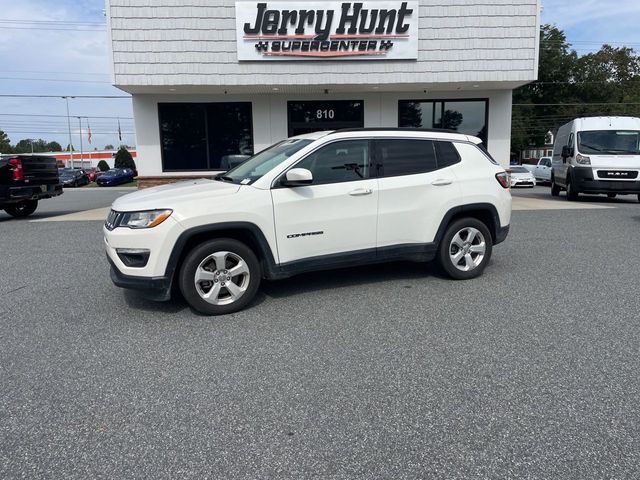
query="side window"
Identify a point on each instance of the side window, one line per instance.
(406, 157)
(446, 154)
(570, 141)
(343, 161)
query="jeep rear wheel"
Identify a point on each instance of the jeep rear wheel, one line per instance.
(220, 276)
(465, 249)
(22, 209)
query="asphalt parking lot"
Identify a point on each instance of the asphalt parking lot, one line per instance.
(530, 371)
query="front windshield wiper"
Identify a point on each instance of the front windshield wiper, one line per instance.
(591, 147)
(224, 178)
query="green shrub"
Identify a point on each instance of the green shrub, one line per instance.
(124, 159)
(103, 166)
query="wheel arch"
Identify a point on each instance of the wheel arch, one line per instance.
(485, 212)
(245, 232)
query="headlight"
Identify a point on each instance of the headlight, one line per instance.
(147, 219)
(582, 160)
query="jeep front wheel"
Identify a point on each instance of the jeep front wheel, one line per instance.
(465, 249)
(220, 276)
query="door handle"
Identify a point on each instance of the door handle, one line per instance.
(358, 192)
(441, 182)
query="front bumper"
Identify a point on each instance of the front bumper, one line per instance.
(154, 288)
(585, 182)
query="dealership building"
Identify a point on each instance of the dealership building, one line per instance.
(215, 80)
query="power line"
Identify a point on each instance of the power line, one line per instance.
(571, 104)
(9, 95)
(60, 116)
(53, 80)
(64, 22)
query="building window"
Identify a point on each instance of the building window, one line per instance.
(313, 116)
(465, 116)
(204, 136)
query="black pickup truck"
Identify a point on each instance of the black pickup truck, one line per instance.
(25, 179)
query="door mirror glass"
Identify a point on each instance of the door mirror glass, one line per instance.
(297, 177)
(567, 151)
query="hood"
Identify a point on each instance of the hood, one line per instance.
(615, 162)
(167, 196)
(522, 175)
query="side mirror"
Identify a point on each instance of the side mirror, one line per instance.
(567, 151)
(297, 177)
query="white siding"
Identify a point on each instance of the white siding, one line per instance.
(192, 42)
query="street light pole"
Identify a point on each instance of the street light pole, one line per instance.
(81, 148)
(69, 126)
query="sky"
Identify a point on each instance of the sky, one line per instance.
(59, 48)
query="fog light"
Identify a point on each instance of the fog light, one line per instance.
(133, 257)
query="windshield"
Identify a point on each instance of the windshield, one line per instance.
(617, 142)
(255, 167)
(112, 172)
(519, 170)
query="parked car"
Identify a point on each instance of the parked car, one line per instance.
(25, 180)
(542, 170)
(316, 201)
(92, 173)
(521, 177)
(72, 177)
(115, 176)
(597, 155)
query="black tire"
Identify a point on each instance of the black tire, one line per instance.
(611, 195)
(196, 257)
(555, 189)
(22, 209)
(447, 248)
(572, 194)
(639, 197)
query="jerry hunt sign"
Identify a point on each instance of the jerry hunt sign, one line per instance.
(335, 31)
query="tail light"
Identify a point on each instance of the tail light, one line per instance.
(16, 169)
(503, 179)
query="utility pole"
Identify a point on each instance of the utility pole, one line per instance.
(81, 148)
(69, 126)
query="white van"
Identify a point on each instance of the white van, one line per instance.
(597, 155)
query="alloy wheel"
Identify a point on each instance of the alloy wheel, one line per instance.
(467, 249)
(222, 278)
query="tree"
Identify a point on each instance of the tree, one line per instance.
(69, 149)
(556, 69)
(108, 147)
(23, 146)
(53, 147)
(103, 166)
(5, 143)
(124, 159)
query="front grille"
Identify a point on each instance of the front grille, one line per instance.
(113, 220)
(618, 174)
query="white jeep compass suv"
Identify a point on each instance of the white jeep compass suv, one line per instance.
(317, 201)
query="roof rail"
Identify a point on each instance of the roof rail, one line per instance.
(396, 129)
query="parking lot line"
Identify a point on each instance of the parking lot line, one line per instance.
(86, 215)
(529, 203)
